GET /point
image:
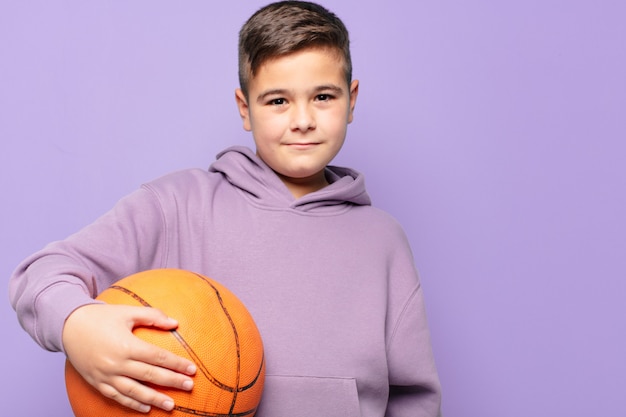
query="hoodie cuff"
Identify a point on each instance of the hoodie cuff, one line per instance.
(53, 307)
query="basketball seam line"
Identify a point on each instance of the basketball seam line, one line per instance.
(186, 346)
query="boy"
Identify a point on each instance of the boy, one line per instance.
(329, 280)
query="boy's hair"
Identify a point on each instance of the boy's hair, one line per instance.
(285, 27)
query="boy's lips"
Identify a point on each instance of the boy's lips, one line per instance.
(302, 145)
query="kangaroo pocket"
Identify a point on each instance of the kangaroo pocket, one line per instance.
(306, 396)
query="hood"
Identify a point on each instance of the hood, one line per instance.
(245, 170)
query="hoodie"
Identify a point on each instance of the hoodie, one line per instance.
(329, 280)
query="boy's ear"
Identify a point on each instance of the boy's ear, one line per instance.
(354, 92)
(244, 109)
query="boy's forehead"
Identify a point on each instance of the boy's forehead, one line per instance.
(320, 63)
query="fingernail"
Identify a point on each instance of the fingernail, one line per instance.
(191, 369)
(143, 408)
(168, 405)
(188, 385)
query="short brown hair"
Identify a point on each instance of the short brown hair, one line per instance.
(285, 27)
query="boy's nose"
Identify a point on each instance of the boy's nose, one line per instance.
(302, 118)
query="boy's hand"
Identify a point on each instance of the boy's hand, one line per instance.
(99, 343)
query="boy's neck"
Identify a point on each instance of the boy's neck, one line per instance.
(300, 187)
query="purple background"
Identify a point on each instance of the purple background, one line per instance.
(494, 132)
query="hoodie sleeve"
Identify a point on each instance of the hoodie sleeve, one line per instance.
(414, 388)
(414, 384)
(49, 285)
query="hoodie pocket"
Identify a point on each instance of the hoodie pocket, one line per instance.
(307, 396)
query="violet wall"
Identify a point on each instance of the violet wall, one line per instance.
(494, 131)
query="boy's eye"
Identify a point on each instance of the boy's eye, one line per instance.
(323, 97)
(277, 102)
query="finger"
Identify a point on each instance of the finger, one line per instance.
(157, 375)
(115, 394)
(138, 396)
(163, 358)
(152, 317)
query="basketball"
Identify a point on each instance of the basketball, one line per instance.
(215, 331)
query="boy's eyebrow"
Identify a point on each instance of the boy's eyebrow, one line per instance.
(274, 92)
(330, 87)
(336, 90)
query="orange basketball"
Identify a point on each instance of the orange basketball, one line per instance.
(215, 330)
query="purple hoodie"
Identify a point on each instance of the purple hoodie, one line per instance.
(329, 280)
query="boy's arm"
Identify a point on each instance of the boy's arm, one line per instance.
(53, 290)
(414, 383)
(414, 388)
(49, 285)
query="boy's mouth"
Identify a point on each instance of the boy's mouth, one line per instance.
(302, 145)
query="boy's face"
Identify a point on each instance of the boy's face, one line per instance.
(298, 109)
